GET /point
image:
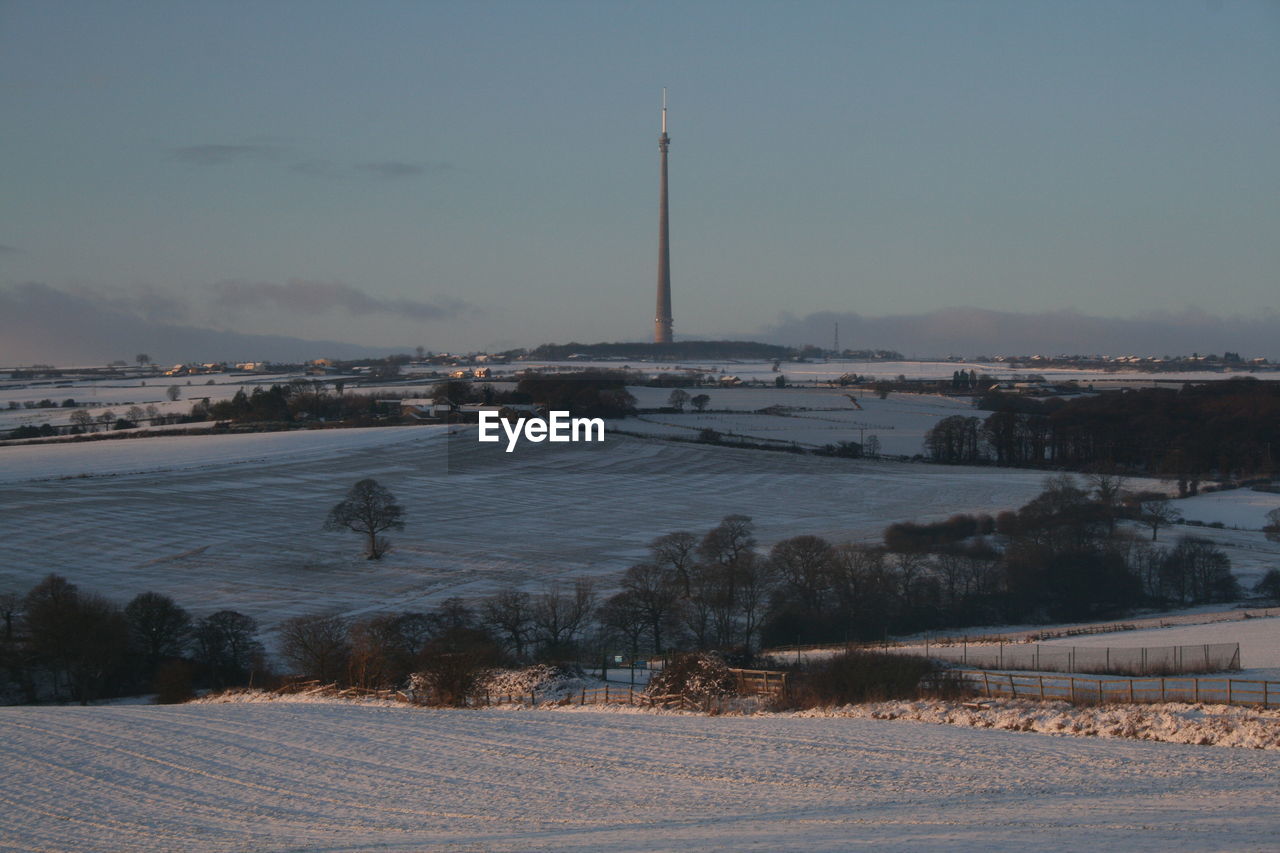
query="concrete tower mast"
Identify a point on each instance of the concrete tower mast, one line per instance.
(662, 323)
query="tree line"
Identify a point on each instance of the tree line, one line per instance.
(62, 643)
(1220, 429)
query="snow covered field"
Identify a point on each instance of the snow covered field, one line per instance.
(1242, 508)
(1259, 641)
(235, 522)
(118, 395)
(812, 417)
(314, 776)
(188, 453)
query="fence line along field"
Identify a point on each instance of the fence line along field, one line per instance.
(236, 523)
(1123, 660)
(1075, 688)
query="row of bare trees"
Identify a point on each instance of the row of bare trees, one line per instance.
(63, 643)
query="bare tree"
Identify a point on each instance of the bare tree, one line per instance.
(677, 399)
(316, 646)
(622, 616)
(173, 392)
(677, 552)
(368, 509)
(509, 614)
(10, 607)
(757, 578)
(560, 615)
(654, 590)
(724, 542)
(226, 643)
(158, 627)
(805, 563)
(1272, 527)
(381, 651)
(700, 401)
(1108, 487)
(1159, 513)
(81, 639)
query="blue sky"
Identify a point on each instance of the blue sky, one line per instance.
(472, 175)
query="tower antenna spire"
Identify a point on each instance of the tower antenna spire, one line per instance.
(662, 321)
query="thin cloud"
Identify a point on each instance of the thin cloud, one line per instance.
(9, 250)
(320, 297)
(39, 323)
(386, 170)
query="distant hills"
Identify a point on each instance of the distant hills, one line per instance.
(674, 351)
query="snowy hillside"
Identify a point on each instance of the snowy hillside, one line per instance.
(340, 776)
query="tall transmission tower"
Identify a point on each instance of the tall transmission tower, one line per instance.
(662, 323)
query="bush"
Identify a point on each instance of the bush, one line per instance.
(173, 683)
(699, 677)
(452, 667)
(862, 676)
(1269, 586)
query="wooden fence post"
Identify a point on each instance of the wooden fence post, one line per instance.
(1130, 691)
(1228, 691)
(1041, 682)
(986, 682)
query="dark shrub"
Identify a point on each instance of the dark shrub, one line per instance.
(173, 683)
(862, 676)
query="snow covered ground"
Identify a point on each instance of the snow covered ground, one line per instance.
(1259, 641)
(117, 395)
(235, 521)
(810, 417)
(293, 776)
(190, 453)
(1237, 508)
(1201, 724)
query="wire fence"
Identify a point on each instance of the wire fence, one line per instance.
(1145, 660)
(1075, 689)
